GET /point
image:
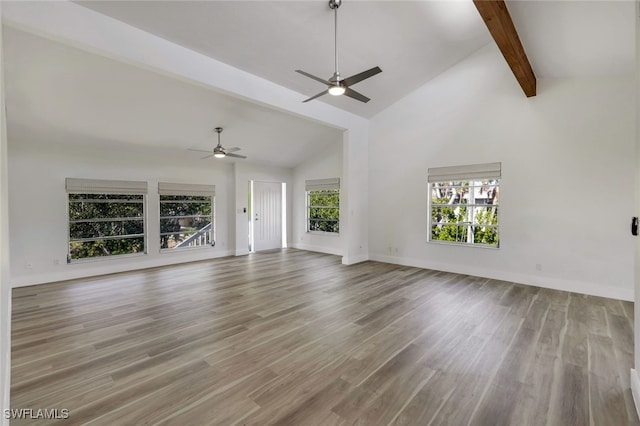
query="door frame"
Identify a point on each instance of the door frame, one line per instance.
(283, 244)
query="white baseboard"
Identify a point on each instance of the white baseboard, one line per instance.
(111, 266)
(241, 252)
(352, 260)
(319, 249)
(635, 389)
(574, 286)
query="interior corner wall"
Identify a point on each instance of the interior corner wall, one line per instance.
(327, 164)
(566, 193)
(244, 173)
(634, 378)
(38, 207)
(5, 288)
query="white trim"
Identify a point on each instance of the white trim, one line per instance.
(112, 268)
(106, 186)
(241, 252)
(574, 286)
(461, 244)
(322, 184)
(635, 389)
(196, 189)
(352, 260)
(466, 172)
(84, 260)
(164, 251)
(319, 249)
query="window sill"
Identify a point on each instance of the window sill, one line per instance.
(329, 234)
(183, 249)
(103, 258)
(447, 243)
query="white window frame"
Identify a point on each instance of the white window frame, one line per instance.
(205, 240)
(314, 185)
(472, 177)
(106, 187)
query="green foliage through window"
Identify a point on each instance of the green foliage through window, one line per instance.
(105, 225)
(465, 212)
(185, 221)
(323, 210)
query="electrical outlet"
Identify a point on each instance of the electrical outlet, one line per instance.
(538, 267)
(28, 265)
(56, 261)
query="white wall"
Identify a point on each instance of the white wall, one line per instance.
(37, 207)
(635, 380)
(5, 288)
(568, 170)
(327, 164)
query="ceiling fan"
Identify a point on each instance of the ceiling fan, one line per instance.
(219, 151)
(336, 85)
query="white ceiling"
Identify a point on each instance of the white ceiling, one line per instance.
(60, 94)
(577, 38)
(63, 95)
(412, 41)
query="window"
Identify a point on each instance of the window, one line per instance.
(323, 205)
(186, 215)
(106, 218)
(464, 204)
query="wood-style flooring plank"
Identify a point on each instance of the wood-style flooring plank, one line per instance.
(296, 338)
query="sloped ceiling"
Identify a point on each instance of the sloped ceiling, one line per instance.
(412, 41)
(577, 38)
(61, 94)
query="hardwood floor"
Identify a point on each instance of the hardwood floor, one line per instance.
(295, 338)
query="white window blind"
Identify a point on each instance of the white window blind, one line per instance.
(100, 186)
(167, 188)
(469, 172)
(322, 184)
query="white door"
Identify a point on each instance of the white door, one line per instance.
(267, 215)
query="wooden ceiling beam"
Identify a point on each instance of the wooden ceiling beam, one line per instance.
(497, 18)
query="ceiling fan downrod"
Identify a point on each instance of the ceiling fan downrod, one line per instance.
(218, 151)
(334, 5)
(336, 85)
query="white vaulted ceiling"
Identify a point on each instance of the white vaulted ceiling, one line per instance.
(412, 41)
(577, 38)
(62, 95)
(59, 93)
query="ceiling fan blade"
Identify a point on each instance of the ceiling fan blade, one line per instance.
(236, 155)
(234, 149)
(198, 150)
(207, 156)
(355, 95)
(321, 80)
(362, 76)
(316, 96)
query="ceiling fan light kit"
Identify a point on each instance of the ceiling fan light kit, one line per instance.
(337, 90)
(336, 85)
(219, 151)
